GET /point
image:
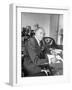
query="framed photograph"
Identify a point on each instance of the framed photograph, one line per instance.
(38, 45)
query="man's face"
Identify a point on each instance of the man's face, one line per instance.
(40, 34)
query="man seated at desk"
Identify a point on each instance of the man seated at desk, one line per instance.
(33, 55)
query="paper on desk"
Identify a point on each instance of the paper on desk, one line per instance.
(59, 58)
(58, 50)
(50, 57)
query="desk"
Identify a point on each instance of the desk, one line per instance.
(56, 61)
(58, 68)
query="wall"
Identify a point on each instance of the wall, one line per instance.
(53, 26)
(56, 23)
(32, 19)
(48, 21)
(60, 38)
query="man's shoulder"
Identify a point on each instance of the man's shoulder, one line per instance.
(31, 40)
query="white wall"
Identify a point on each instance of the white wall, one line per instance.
(53, 26)
(48, 21)
(61, 21)
(32, 18)
(59, 41)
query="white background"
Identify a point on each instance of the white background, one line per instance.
(4, 43)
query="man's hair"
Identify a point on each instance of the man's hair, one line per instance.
(41, 29)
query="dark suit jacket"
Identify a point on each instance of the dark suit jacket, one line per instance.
(33, 57)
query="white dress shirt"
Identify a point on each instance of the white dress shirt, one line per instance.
(37, 40)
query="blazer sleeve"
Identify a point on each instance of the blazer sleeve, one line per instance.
(33, 54)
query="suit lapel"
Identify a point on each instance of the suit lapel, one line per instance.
(37, 45)
(36, 42)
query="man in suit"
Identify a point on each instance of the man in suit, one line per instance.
(33, 55)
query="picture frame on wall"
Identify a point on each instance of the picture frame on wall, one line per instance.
(26, 59)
